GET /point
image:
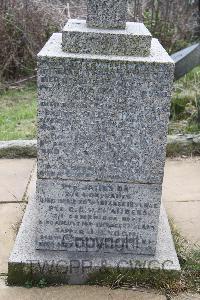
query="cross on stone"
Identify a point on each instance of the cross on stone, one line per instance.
(107, 14)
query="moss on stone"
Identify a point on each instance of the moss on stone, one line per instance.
(20, 274)
(18, 149)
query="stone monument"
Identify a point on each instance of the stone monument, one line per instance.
(104, 98)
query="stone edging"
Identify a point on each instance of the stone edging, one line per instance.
(183, 144)
(18, 149)
(188, 144)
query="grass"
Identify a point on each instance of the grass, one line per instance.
(18, 114)
(188, 86)
(189, 258)
(18, 109)
(42, 283)
(186, 103)
(169, 283)
(18, 121)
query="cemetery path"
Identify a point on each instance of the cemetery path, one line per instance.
(75, 293)
(181, 194)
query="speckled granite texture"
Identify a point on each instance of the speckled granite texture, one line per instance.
(98, 216)
(103, 109)
(74, 267)
(103, 117)
(106, 13)
(135, 40)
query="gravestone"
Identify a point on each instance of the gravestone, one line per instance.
(107, 13)
(104, 90)
(186, 60)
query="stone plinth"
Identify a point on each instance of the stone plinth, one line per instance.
(104, 90)
(107, 13)
(98, 216)
(77, 267)
(103, 117)
(102, 136)
(135, 40)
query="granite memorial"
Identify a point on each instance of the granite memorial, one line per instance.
(104, 88)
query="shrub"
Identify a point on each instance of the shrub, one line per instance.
(25, 25)
(24, 28)
(175, 23)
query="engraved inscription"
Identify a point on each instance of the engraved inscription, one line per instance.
(95, 121)
(96, 216)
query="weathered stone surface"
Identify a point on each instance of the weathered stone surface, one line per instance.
(182, 196)
(187, 296)
(18, 148)
(83, 292)
(102, 135)
(14, 178)
(75, 268)
(106, 13)
(10, 217)
(186, 217)
(98, 216)
(183, 144)
(103, 117)
(78, 38)
(186, 60)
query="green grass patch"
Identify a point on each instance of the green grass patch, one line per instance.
(185, 107)
(18, 114)
(169, 283)
(165, 281)
(189, 258)
(18, 109)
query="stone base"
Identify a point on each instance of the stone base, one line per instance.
(26, 263)
(106, 13)
(92, 216)
(135, 40)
